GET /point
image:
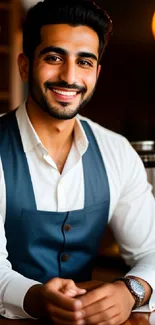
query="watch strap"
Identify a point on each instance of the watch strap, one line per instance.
(138, 296)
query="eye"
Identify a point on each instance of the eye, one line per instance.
(53, 58)
(85, 63)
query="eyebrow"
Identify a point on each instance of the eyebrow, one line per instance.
(61, 51)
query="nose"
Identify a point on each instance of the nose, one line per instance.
(68, 72)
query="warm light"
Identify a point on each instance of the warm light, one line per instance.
(29, 3)
(153, 25)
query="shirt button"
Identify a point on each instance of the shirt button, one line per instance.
(67, 227)
(65, 258)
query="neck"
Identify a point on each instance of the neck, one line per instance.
(55, 135)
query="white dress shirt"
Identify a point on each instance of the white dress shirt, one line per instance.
(131, 213)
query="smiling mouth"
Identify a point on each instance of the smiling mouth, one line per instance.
(65, 93)
(68, 94)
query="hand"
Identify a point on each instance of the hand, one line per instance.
(109, 304)
(90, 285)
(55, 300)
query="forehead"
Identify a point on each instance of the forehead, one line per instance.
(73, 39)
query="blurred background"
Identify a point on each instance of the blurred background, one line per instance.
(124, 98)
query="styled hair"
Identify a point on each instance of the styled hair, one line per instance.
(71, 12)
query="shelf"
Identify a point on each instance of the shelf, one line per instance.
(6, 6)
(10, 46)
(4, 95)
(4, 49)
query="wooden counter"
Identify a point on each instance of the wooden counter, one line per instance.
(135, 319)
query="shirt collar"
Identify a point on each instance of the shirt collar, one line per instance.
(28, 134)
(80, 137)
(31, 140)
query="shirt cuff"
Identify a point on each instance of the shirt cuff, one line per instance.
(146, 273)
(13, 298)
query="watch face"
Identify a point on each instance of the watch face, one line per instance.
(137, 288)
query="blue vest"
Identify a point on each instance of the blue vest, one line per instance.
(42, 245)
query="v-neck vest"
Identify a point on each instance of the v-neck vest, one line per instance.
(41, 244)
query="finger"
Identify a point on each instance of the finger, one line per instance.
(98, 307)
(74, 292)
(64, 322)
(59, 283)
(103, 316)
(63, 301)
(95, 295)
(63, 314)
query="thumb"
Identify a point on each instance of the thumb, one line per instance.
(72, 290)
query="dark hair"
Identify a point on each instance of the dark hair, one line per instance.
(71, 12)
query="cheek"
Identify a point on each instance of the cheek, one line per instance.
(46, 72)
(91, 81)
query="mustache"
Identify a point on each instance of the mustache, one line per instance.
(63, 84)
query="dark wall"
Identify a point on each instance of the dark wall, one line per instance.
(124, 100)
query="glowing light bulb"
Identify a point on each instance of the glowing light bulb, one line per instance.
(153, 25)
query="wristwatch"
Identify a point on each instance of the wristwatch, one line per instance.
(136, 288)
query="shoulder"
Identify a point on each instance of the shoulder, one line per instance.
(6, 119)
(121, 160)
(106, 137)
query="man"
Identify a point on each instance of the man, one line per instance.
(63, 178)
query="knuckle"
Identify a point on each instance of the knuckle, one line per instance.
(71, 281)
(49, 311)
(89, 321)
(106, 315)
(75, 316)
(113, 322)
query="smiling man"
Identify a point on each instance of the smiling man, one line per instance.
(63, 178)
(64, 74)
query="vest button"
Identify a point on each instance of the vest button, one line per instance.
(67, 227)
(64, 257)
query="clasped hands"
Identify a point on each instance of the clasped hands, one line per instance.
(67, 304)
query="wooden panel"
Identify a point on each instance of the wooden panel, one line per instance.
(4, 72)
(135, 319)
(6, 1)
(4, 27)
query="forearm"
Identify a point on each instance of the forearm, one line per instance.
(33, 302)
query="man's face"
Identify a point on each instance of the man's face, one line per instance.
(64, 71)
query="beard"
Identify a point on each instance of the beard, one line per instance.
(42, 100)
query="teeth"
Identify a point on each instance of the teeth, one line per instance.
(65, 93)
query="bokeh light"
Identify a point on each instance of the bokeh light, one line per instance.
(153, 25)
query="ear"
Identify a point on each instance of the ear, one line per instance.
(98, 70)
(23, 65)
